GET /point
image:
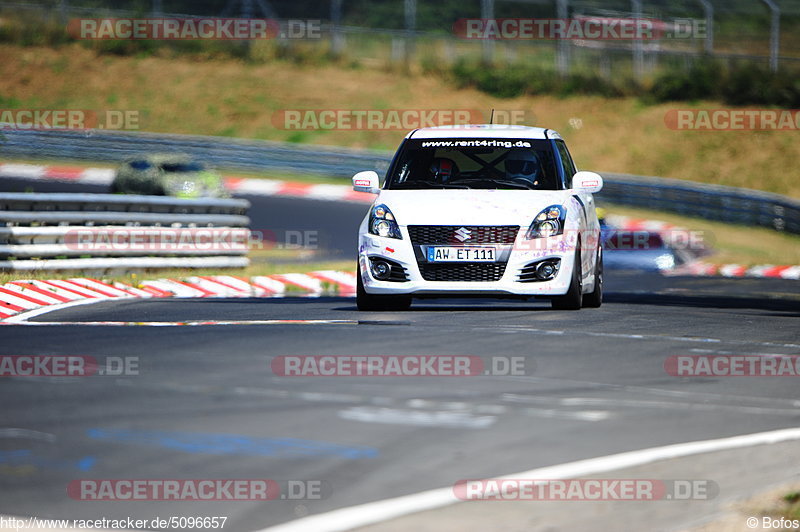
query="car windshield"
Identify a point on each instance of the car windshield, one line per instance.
(475, 164)
(182, 167)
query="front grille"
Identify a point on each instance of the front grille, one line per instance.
(446, 234)
(528, 273)
(472, 272)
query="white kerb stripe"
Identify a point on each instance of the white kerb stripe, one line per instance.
(55, 289)
(35, 295)
(67, 285)
(240, 284)
(271, 284)
(22, 170)
(18, 301)
(91, 283)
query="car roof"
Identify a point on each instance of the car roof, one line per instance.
(484, 131)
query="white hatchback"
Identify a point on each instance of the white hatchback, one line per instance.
(495, 211)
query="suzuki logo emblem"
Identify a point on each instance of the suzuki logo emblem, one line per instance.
(463, 234)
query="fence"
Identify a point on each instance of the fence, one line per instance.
(726, 204)
(116, 233)
(756, 30)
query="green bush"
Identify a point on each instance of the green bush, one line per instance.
(753, 85)
(707, 79)
(700, 81)
(515, 80)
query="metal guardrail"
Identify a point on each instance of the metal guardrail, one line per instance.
(712, 202)
(105, 232)
(719, 203)
(217, 151)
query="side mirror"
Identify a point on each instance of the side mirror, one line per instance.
(367, 182)
(587, 182)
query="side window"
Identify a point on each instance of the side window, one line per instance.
(566, 160)
(139, 165)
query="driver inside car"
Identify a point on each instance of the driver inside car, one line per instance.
(524, 166)
(443, 170)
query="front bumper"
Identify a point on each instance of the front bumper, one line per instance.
(516, 257)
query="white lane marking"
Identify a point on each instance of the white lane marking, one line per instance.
(22, 318)
(189, 323)
(379, 511)
(670, 405)
(704, 396)
(423, 418)
(695, 339)
(27, 434)
(741, 353)
(790, 410)
(581, 415)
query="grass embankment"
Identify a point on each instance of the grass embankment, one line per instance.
(237, 98)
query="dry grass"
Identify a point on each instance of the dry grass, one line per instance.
(233, 98)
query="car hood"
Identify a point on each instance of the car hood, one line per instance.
(469, 207)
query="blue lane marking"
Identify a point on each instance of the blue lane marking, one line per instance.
(27, 457)
(232, 444)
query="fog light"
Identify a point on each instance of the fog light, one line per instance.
(381, 270)
(545, 271)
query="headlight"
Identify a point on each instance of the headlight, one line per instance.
(382, 222)
(549, 222)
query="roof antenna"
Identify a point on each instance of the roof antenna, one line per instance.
(491, 118)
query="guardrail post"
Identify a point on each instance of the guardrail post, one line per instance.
(562, 46)
(410, 7)
(708, 9)
(774, 34)
(337, 37)
(487, 12)
(638, 46)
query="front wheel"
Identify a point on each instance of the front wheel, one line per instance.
(376, 302)
(573, 298)
(595, 298)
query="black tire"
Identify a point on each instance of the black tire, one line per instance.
(379, 303)
(573, 298)
(595, 298)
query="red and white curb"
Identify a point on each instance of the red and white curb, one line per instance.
(704, 269)
(23, 296)
(238, 185)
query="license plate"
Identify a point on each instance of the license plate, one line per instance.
(456, 254)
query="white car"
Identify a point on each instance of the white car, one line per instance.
(480, 211)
